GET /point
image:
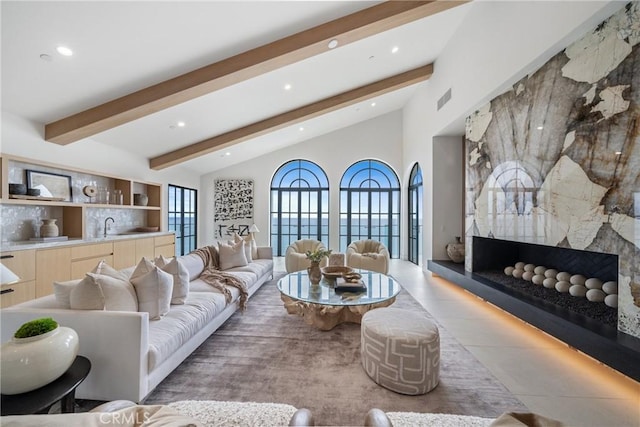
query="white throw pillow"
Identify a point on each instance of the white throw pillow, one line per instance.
(180, 278)
(87, 295)
(232, 255)
(153, 288)
(247, 246)
(102, 292)
(107, 270)
(62, 291)
(194, 265)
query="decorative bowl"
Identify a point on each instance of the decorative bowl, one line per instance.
(147, 229)
(33, 192)
(332, 272)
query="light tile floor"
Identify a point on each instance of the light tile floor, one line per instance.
(548, 376)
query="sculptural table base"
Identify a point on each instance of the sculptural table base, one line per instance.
(326, 317)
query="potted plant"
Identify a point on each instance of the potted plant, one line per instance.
(314, 270)
(38, 353)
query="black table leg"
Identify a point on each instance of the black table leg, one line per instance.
(68, 403)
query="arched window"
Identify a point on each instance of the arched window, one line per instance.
(370, 205)
(299, 204)
(415, 215)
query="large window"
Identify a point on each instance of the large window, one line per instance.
(183, 217)
(299, 204)
(415, 215)
(370, 205)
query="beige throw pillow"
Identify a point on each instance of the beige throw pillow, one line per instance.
(107, 270)
(153, 288)
(101, 292)
(247, 246)
(86, 295)
(232, 255)
(62, 291)
(180, 275)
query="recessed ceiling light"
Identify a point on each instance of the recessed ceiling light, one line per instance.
(333, 44)
(540, 127)
(227, 153)
(373, 104)
(394, 49)
(64, 51)
(301, 128)
(287, 87)
(181, 124)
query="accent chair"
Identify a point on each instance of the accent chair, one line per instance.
(368, 255)
(295, 258)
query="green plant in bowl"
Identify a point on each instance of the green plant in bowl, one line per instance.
(36, 327)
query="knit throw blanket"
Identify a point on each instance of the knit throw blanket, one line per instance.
(213, 276)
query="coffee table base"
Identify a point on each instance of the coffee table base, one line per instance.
(327, 317)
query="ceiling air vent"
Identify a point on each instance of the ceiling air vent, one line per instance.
(444, 98)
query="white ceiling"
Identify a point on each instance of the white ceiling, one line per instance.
(121, 47)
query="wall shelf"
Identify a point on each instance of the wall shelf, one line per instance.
(74, 213)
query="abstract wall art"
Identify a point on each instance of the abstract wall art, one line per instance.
(233, 207)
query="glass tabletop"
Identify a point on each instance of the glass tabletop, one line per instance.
(379, 288)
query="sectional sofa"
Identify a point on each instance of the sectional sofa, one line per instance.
(131, 354)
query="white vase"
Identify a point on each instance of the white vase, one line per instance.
(30, 363)
(49, 228)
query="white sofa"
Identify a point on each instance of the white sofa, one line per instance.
(130, 355)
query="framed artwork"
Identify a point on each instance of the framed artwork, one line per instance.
(233, 207)
(50, 184)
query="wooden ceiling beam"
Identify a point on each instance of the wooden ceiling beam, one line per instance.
(241, 67)
(292, 117)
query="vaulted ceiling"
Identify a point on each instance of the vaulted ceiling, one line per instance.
(244, 77)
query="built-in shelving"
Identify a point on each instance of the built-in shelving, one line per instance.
(74, 212)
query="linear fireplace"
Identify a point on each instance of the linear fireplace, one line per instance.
(496, 254)
(599, 339)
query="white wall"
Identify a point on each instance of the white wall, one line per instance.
(379, 139)
(496, 45)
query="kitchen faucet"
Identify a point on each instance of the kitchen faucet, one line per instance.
(105, 225)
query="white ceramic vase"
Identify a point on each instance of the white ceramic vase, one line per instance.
(30, 363)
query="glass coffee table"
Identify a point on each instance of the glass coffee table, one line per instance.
(324, 308)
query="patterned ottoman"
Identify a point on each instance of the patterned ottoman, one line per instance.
(400, 350)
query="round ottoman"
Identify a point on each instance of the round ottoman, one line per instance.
(400, 350)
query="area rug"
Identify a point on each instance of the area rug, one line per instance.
(240, 414)
(267, 355)
(412, 419)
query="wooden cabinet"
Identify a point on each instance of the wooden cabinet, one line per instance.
(145, 248)
(22, 263)
(165, 246)
(84, 258)
(39, 268)
(51, 265)
(124, 254)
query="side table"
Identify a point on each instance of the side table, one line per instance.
(40, 400)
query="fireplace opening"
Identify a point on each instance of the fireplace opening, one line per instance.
(491, 256)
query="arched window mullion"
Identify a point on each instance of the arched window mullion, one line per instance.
(375, 181)
(293, 187)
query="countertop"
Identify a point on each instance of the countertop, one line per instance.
(28, 244)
